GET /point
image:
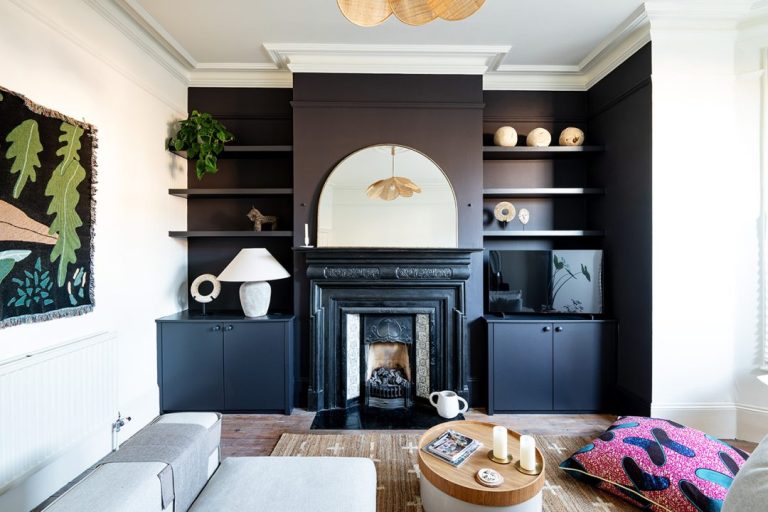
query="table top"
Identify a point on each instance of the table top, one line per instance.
(460, 482)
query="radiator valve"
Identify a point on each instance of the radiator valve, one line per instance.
(116, 426)
(120, 422)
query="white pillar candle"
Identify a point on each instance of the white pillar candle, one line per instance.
(500, 443)
(306, 234)
(528, 453)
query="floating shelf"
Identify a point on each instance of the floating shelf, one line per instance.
(531, 153)
(561, 233)
(229, 234)
(234, 150)
(229, 192)
(541, 192)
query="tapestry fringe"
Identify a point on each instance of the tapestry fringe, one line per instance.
(43, 317)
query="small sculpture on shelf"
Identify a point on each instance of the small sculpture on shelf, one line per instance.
(504, 212)
(572, 137)
(205, 298)
(259, 219)
(525, 216)
(506, 136)
(539, 138)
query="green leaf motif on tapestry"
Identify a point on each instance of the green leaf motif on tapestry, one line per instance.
(24, 150)
(8, 259)
(62, 188)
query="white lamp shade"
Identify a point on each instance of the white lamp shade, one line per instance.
(253, 265)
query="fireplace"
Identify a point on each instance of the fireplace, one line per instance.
(387, 326)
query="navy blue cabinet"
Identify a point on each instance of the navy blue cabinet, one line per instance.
(225, 363)
(542, 365)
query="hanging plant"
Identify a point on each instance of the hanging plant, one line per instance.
(203, 138)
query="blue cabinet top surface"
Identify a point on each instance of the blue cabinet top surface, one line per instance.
(187, 316)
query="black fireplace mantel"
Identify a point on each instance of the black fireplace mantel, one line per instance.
(385, 279)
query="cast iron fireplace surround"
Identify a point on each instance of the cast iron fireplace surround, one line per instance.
(373, 281)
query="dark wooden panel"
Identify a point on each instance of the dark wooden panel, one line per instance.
(582, 370)
(254, 362)
(522, 367)
(621, 118)
(335, 115)
(192, 376)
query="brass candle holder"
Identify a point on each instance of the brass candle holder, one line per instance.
(536, 470)
(499, 461)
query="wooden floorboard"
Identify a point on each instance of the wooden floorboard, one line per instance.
(249, 435)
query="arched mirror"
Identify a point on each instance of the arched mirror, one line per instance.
(387, 196)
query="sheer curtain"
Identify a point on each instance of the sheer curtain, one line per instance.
(764, 207)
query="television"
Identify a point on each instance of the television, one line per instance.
(556, 281)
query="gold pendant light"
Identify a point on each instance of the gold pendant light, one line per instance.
(368, 13)
(391, 188)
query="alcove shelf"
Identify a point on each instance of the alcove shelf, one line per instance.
(531, 153)
(230, 234)
(541, 192)
(234, 150)
(553, 233)
(229, 192)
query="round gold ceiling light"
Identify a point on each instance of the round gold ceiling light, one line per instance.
(368, 13)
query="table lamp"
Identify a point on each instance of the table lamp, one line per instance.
(253, 268)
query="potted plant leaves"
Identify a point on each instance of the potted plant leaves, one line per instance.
(203, 138)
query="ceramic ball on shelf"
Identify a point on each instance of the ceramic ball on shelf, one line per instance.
(572, 137)
(505, 136)
(539, 138)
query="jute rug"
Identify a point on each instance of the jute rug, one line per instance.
(395, 456)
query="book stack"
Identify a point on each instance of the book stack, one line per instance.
(453, 447)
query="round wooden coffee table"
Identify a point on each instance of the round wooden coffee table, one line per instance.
(445, 488)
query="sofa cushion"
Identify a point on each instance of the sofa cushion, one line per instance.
(658, 464)
(750, 487)
(120, 487)
(290, 484)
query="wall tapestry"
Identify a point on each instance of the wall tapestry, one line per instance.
(47, 180)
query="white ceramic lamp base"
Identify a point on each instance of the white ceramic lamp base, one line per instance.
(255, 297)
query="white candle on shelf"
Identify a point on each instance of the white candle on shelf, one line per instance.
(528, 453)
(500, 443)
(306, 234)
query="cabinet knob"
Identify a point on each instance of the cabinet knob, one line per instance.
(216, 328)
(546, 328)
(558, 329)
(228, 328)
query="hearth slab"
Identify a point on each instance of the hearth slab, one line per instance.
(416, 418)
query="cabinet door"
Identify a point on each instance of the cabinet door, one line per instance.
(582, 363)
(254, 366)
(522, 367)
(192, 364)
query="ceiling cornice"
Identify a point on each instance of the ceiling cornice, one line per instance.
(288, 58)
(386, 58)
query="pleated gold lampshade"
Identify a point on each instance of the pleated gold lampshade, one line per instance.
(368, 13)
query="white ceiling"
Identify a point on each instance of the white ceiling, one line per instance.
(540, 32)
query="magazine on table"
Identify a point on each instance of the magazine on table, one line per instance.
(453, 447)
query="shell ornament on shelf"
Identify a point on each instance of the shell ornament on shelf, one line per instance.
(369, 13)
(390, 189)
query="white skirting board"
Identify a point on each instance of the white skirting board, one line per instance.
(723, 420)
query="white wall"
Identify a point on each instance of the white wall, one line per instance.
(705, 247)
(67, 57)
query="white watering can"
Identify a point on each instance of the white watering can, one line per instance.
(448, 403)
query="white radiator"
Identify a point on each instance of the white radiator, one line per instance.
(52, 399)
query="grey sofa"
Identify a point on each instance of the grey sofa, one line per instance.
(243, 484)
(749, 490)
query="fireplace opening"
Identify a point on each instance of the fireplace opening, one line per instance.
(388, 376)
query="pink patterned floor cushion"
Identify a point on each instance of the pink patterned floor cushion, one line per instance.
(659, 465)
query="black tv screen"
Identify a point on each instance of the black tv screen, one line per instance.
(557, 281)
